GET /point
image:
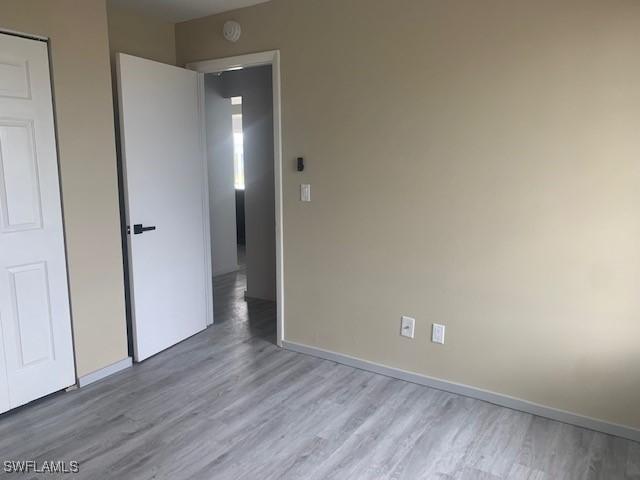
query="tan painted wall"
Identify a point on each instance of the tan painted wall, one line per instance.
(474, 163)
(143, 36)
(84, 118)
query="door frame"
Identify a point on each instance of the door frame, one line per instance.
(271, 57)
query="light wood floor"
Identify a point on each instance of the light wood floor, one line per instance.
(228, 404)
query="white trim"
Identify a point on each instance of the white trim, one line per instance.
(104, 372)
(469, 391)
(31, 36)
(230, 63)
(253, 60)
(208, 274)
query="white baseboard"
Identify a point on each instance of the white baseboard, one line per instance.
(473, 392)
(250, 296)
(104, 372)
(224, 271)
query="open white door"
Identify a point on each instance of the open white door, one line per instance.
(36, 350)
(167, 202)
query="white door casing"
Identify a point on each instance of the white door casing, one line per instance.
(36, 350)
(166, 187)
(253, 60)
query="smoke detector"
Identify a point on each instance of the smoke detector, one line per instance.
(232, 30)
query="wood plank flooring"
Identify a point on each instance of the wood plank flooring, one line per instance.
(228, 404)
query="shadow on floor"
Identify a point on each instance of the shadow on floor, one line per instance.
(256, 317)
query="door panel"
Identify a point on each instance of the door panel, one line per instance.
(35, 325)
(5, 404)
(165, 175)
(29, 287)
(19, 189)
(14, 78)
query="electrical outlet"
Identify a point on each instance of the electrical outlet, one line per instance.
(437, 333)
(408, 327)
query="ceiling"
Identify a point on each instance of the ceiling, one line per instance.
(175, 11)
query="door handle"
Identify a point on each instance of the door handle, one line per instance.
(138, 229)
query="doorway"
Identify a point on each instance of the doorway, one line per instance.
(242, 113)
(170, 196)
(240, 154)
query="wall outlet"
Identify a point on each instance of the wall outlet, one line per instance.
(408, 327)
(437, 333)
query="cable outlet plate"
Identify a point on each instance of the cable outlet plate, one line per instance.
(437, 333)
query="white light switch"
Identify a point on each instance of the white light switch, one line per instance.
(408, 327)
(305, 192)
(437, 334)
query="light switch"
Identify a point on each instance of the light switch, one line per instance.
(305, 192)
(407, 327)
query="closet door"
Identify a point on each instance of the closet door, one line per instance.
(35, 327)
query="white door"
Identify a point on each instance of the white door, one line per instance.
(35, 325)
(167, 202)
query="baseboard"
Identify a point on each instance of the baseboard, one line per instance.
(247, 296)
(473, 392)
(104, 372)
(224, 271)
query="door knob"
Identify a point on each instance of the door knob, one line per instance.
(138, 229)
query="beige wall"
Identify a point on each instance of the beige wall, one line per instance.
(474, 164)
(84, 118)
(143, 36)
